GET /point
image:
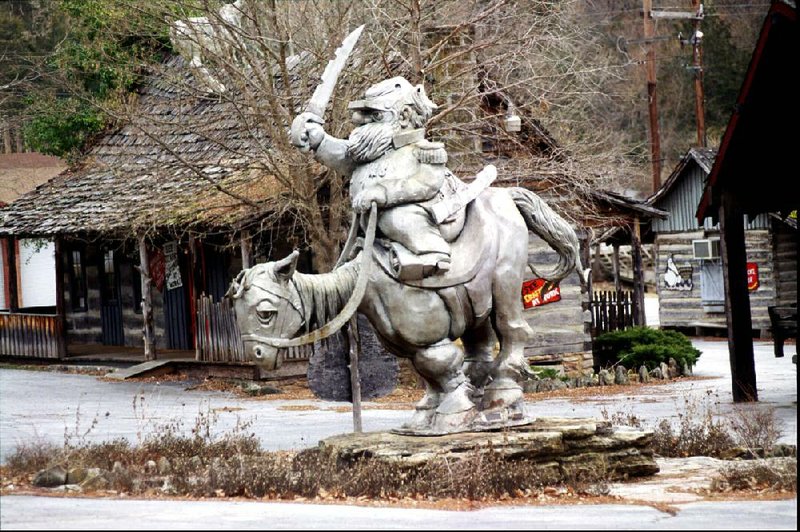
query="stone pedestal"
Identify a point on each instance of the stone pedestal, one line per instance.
(561, 447)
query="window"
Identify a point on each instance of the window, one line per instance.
(36, 270)
(109, 287)
(77, 280)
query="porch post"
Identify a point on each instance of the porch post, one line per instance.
(638, 274)
(247, 250)
(60, 310)
(196, 280)
(617, 284)
(148, 331)
(13, 279)
(737, 300)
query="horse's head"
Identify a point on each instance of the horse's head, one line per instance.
(266, 306)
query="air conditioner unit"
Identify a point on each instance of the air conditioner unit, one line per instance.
(707, 248)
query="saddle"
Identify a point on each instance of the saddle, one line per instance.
(471, 246)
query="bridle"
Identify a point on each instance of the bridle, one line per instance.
(349, 309)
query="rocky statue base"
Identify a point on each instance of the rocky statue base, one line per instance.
(561, 446)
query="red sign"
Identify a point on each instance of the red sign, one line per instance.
(538, 292)
(752, 276)
(157, 264)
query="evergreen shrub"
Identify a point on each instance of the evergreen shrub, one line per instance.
(638, 346)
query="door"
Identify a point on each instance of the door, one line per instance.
(216, 272)
(178, 321)
(110, 302)
(712, 286)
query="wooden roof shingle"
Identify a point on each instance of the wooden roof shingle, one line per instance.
(163, 167)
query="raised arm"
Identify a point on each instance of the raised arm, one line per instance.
(309, 135)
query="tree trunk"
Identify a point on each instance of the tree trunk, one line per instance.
(148, 331)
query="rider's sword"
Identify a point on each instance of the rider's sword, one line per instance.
(322, 94)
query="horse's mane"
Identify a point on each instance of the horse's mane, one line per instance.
(324, 295)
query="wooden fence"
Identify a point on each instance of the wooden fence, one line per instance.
(218, 339)
(613, 311)
(32, 335)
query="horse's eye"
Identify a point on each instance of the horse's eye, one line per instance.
(266, 316)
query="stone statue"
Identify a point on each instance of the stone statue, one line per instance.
(390, 163)
(429, 261)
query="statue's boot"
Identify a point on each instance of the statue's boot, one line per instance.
(418, 249)
(408, 266)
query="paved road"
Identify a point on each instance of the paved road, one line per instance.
(51, 406)
(43, 513)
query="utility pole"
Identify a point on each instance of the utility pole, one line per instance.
(652, 97)
(697, 63)
(696, 40)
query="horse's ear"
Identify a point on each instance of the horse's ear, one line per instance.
(285, 268)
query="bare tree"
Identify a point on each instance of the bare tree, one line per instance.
(481, 61)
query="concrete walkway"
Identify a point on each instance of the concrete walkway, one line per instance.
(47, 406)
(46, 513)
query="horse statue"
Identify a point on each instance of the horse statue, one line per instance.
(476, 301)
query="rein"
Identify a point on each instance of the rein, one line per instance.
(349, 309)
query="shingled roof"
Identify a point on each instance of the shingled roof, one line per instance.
(163, 168)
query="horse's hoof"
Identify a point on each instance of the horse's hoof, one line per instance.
(501, 393)
(453, 422)
(429, 401)
(420, 421)
(457, 401)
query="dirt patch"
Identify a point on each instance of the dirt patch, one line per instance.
(550, 498)
(298, 408)
(591, 393)
(408, 391)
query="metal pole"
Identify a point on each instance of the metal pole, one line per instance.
(355, 379)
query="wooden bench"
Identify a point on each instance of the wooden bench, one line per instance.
(784, 325)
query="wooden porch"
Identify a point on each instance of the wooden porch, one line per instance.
(118, 353)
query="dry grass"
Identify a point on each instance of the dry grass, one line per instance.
(234, 465)
(762, 475)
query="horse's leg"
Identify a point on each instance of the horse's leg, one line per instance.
(513, 331)
(479, 344)
(446, 405)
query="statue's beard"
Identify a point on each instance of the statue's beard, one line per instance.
(370, 141)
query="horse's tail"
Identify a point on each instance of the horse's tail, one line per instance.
(553, 229)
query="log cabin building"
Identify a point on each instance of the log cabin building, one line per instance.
(688, 259)
(752, 175)
(146, 197)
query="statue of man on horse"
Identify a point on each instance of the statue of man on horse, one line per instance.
(440, 261)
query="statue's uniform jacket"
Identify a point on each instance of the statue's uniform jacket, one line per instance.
(411, 176)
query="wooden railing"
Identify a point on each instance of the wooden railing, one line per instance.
(217, 337)
(32, 335)
(613, 311)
